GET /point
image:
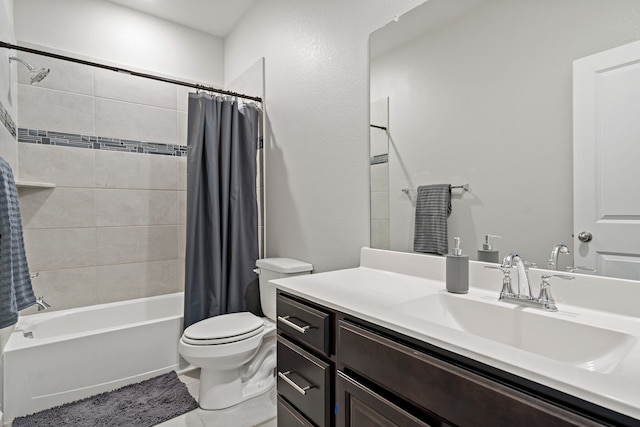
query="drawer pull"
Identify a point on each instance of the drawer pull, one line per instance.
(301, 390)
(286, 321)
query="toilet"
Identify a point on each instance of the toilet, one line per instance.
(236, 352)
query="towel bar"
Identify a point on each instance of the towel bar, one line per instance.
(465, 187)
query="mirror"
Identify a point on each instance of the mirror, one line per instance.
(480, 92)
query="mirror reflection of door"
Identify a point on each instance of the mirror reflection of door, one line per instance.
(606, 153)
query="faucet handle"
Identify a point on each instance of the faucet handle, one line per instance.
(545, 297)
(505, 270)
(578, 268)
(506, 280)
(546, 277)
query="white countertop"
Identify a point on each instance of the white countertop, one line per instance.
(386, 279)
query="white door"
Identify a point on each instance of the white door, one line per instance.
(606, 161)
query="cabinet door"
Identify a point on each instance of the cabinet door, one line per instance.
(357, 406)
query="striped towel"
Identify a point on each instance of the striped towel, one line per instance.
(433, 206)
(15, 283)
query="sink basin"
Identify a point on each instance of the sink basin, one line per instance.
(564, 340)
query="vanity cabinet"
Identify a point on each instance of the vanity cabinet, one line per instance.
(337, 370)
(305, 363)
(435, 390)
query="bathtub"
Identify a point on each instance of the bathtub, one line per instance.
(62, 356)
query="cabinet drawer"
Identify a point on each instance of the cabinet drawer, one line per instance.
(458, 396)
(304, 323)
(304, 381)
(359, 406)
(289, 417)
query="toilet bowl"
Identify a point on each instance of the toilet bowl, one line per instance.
(236, 352)
(226, 376)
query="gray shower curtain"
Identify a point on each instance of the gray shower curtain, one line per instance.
(222, 213)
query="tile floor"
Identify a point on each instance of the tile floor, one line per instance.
(257, 412)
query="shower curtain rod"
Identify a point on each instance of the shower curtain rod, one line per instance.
(133, 73)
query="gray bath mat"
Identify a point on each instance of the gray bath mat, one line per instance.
(137, 405)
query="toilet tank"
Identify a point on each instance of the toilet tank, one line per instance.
(276, 268)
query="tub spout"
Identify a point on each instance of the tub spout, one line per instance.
(42, 304)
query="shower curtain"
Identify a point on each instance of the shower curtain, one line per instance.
(222, 213)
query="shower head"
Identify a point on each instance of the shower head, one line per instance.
(36, 75)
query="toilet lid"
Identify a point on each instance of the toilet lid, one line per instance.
(223, 329)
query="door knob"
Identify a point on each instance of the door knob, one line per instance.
(585, 236)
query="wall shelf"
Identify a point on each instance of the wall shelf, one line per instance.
(31, 184)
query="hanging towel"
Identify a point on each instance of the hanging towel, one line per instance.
(15, 283)
(433, 206)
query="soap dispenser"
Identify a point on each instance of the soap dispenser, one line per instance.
(487, 253)
(457, 278)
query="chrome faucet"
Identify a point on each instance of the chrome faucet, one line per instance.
(558, 249)
(523, 297)
(524, 289)
(42, 304)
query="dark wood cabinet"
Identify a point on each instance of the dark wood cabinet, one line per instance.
(453, 394)
(359, 406)
(305, 381)
(337, 370)
(304, 324)
(289, 417)
(305, 367)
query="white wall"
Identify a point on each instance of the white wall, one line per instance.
(487, 100)
(317, 105)
(107, 31)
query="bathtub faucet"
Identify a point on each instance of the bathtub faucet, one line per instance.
(42, 304)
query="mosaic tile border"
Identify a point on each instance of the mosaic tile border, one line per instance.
(64, 139)
(7, 121)
(379, 159)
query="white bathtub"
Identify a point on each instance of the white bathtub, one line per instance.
(76, 353)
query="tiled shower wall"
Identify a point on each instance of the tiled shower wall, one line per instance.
(8, 107)
(379, 174)
(113, 228)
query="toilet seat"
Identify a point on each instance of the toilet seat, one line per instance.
(224, 329)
